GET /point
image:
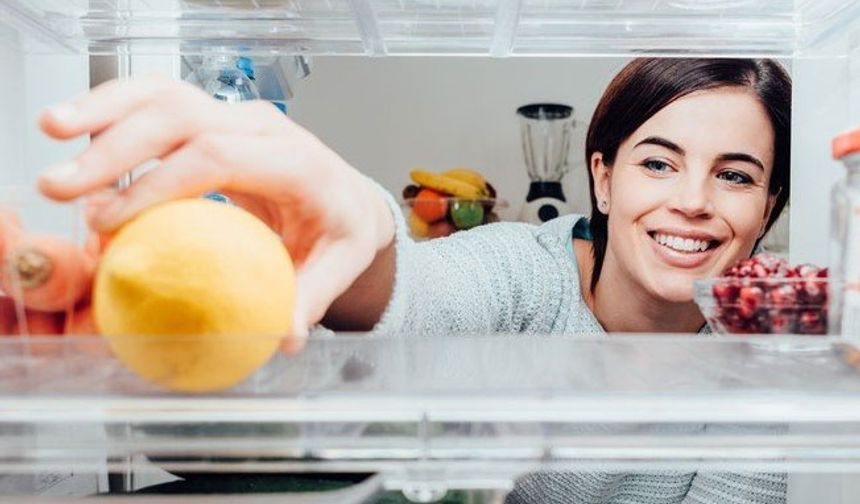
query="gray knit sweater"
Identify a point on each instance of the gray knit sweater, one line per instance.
(510, 277)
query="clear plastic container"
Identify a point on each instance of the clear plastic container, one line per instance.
(379, 27)
(459, 412)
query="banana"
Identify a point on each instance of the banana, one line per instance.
(468, 176)
(446, 184)
(419, 228)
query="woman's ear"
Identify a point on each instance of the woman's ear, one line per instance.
(601, 175)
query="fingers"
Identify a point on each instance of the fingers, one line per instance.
(209, 162)
(102, 106)
(149, 131)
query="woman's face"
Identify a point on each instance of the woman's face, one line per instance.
(688, 192)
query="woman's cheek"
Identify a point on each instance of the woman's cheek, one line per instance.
(633, 191)
(744, 215)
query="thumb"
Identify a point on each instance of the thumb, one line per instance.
(328, 272)
(295, 342)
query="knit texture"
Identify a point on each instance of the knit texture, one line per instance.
(519, 278)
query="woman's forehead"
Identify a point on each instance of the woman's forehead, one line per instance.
(713, 122)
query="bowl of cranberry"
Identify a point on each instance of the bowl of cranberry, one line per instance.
(765, 295)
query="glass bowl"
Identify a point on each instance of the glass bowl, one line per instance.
(795, 306)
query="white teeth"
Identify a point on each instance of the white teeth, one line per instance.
(681, 244)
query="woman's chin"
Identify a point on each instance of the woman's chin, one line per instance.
(674, 290)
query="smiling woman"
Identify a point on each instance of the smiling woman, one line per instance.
(689, 167)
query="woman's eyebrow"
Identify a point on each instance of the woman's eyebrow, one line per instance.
(729, 156)
(740, 156)
(655, 140)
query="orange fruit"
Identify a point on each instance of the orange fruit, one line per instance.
(430, 205)
(195, 295)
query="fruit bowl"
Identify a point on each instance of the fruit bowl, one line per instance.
(444, 216)
(440, 204)
(794, 305)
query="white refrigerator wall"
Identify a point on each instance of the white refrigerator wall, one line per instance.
(33, 82)
(50, 79)
(12, 91)
(826, 102)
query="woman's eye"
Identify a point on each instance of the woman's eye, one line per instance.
(735, 177)
(657, 166)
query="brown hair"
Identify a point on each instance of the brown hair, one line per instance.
(646, 85)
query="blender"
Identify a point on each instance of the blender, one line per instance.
(546, 130)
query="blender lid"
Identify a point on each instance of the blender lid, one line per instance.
(547, 111)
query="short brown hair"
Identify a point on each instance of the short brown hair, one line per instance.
(647, 85)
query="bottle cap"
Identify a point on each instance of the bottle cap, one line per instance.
(846, 143)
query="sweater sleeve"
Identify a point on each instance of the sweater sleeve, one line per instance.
(737, 488)
(491, 279)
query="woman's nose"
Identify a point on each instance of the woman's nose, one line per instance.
(692, 198)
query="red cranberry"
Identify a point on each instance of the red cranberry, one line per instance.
(746, 312)
(759, 271)
(781, 296)
(807, 270)
(775, 266)
(812, 292)
(751, 295)
(725, 292)
(782, 321)
(812, 322)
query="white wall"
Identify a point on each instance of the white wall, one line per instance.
(388, 115)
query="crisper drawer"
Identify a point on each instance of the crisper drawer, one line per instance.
(476, 27)
(429, 414)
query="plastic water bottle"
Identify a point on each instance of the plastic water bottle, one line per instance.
(845, 239)
(229, 79)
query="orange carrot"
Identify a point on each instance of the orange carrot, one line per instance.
(8, 317)
(46, 273)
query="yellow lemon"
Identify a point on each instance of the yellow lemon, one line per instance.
(194, 295)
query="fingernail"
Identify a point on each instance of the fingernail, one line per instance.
(62, 172)
(63, 112)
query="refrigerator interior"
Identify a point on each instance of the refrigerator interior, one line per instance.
(432, 432)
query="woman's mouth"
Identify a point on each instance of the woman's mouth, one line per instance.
(685, 250)
(682, 244)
